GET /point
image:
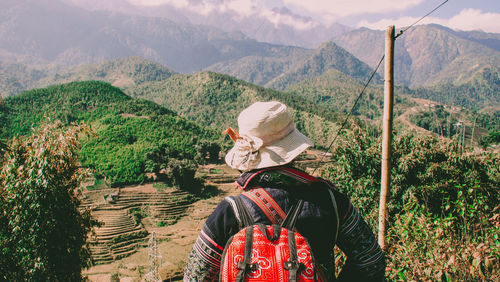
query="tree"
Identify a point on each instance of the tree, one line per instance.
(207, 151)
(42, 231)
(3, 144)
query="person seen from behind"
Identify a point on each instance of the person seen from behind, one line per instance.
(264, 149)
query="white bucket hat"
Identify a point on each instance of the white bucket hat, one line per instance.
(267, 137)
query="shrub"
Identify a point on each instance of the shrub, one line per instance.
(42, 231)
(439, 206)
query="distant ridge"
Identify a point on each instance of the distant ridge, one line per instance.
(427, 54)
(34, 28)
(327, 56)
(122, 73)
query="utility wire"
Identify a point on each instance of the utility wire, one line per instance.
(368, 82)
(350, 112)
(426, 15)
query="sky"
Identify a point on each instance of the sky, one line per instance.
(375, 14)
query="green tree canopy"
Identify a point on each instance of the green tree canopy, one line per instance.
(42, 231)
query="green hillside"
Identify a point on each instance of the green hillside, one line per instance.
(133, 136)
(480, 91)
(215, 100)
(207, 98)
(338, 91)
(121, 73)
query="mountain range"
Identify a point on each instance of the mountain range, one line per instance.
(43, 40)
(429, 54)
(278, 25)
(51, 31)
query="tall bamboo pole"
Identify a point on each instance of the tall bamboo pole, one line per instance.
(472, 134)
(386, 134)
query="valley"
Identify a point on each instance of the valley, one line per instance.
(133, 99)
(175, 237)
(176, 218)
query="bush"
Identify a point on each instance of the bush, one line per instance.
(439, 206)
(181, 173)
(42, 231)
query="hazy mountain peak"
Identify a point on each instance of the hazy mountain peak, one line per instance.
(426, 54)
(328, 56)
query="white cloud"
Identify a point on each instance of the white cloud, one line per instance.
(175, 3)
(331, 9)
(467, 19)
(471, 19)
(288, 20)
(204, 7)
(238, 8)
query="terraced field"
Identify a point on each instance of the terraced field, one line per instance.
(171, 214)
(122, 214)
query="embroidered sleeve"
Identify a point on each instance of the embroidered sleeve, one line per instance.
(365, 259)
(203, 261)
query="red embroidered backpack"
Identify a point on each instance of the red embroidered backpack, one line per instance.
(261, 252)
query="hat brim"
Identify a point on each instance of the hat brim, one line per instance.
(278, 153)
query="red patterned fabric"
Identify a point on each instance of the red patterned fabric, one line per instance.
(269, 256)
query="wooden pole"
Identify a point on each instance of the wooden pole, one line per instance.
(386, 134)
(472, 135)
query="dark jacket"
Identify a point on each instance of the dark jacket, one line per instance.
(317, 222)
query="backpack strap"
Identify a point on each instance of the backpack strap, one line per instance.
(335, 211)
(244, 180)
(246, 266)
(267, 204)
(244, 214)
(292, 215)
(293, 264)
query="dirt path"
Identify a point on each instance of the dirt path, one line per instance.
(422, 104)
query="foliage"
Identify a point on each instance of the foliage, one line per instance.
(492, 138)
(489, 121)
(436, 120)
(42, 232)
(115, 277)
(215, 100)
(3, 142)
(435, 248)
(479, 92)
(138, 213)
(207, 152)
(181, 173)
(132, 136)
(440, 202)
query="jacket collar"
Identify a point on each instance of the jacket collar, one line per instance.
(244, 180)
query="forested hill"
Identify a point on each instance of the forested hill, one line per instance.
(215, 100)
(134, 136)
(122, 73)
(479, 92)
(327, 56)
